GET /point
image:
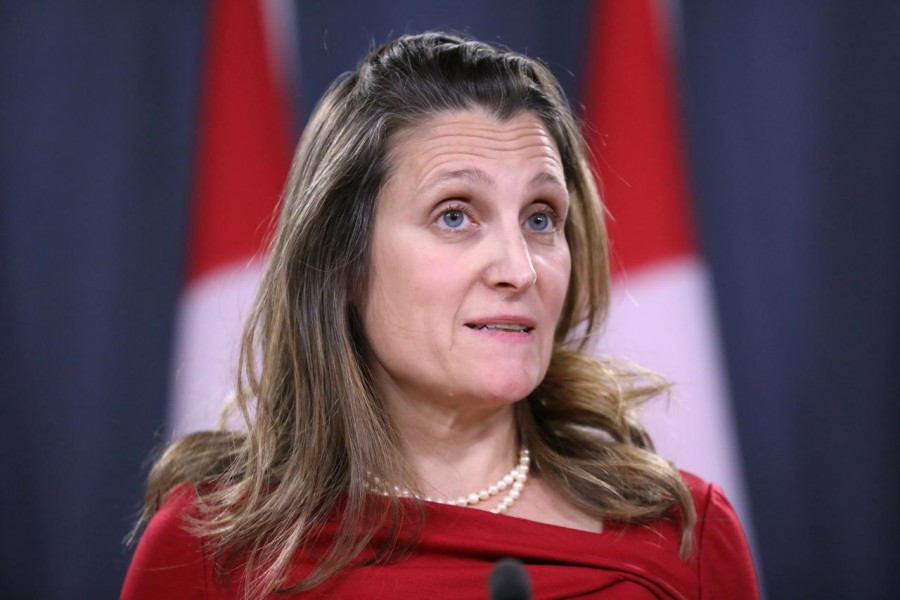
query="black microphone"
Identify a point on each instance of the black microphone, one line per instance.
(509, 581)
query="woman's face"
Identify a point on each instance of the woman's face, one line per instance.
(470, 265)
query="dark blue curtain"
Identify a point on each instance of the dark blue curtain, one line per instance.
(96, 109)
(794, 139)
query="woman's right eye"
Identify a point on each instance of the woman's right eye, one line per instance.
(453, 218)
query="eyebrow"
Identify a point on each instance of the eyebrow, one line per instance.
(473, 175)
(476, 175)
(544, 178)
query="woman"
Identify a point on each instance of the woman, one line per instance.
(416, 354)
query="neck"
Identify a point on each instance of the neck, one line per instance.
(455, 450)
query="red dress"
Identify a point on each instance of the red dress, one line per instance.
(459, 547)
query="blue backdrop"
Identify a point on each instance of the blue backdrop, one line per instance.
(794, 137)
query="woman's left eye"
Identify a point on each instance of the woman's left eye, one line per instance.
(540, 222)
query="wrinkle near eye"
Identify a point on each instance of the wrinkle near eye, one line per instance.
(474, 157)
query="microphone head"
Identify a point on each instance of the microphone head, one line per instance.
(509, 581)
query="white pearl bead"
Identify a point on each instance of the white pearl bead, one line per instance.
(513, 481)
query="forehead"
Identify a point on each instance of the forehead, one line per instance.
(472, 136)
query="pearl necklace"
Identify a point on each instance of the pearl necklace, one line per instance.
(513, 481)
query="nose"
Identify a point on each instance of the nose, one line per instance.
(512, 266)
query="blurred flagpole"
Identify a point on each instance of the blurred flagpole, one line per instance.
(243, 149)
(663, 313)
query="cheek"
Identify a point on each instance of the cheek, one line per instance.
(408, 282)
(556, 271)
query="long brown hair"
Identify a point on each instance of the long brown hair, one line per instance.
(316, 427)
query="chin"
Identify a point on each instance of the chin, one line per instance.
(508, 390)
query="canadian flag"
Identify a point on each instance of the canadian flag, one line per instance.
(243, 154)
(662, 315)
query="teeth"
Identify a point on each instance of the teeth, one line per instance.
(504, 327)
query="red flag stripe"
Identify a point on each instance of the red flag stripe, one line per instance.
(634, 133)
(243, 146)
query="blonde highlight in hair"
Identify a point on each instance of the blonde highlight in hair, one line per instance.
(316, 427)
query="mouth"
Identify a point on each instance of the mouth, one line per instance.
(504, 327)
